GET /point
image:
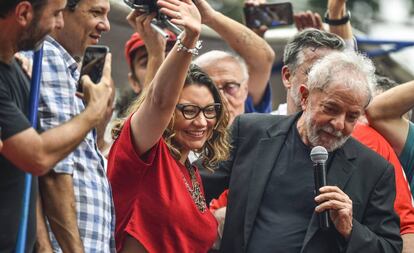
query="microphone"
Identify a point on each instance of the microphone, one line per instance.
(319, 156)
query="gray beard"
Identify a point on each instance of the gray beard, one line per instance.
(314, 138)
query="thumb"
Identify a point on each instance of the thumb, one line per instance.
(86, 81)
(85, 84)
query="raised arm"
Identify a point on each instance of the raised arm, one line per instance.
(36, 153)
(385, 114)
(155, 45)
(337, 10)
(258, 55)
(152, 117)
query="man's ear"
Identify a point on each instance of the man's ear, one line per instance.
(135, 86)
(304, 92)
(286, 77)
(24, 13)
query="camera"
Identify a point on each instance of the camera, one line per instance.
(160, 22)
(147, 6)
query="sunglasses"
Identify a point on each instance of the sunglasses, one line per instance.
(191, 111)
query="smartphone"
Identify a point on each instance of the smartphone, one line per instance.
(270, 15)
(93, 63)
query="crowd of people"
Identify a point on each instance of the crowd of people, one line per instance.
(200, 161)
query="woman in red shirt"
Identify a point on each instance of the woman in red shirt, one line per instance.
(158, 196)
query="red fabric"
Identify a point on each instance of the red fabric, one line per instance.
(220, 202)
(403, 200)
(152, 203)
(135, 42)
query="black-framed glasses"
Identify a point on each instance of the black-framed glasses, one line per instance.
(191, 111)
(231, 88)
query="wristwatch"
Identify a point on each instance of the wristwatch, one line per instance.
(335, 22)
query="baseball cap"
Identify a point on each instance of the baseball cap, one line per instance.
(135, 42)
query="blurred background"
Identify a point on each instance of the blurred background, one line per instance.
(373, 20)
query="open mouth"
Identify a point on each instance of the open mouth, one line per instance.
(196, 133)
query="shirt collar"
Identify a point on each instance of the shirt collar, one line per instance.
(73, 65)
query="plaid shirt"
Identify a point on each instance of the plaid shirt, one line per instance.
(58, 104)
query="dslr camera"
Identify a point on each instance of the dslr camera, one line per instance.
(160, 22)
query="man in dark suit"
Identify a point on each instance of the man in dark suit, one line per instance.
(271, 202)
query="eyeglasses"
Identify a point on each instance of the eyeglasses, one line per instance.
(191, 111)
(231, 88)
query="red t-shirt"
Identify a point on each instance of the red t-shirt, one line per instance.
(152, 203)
(403, 199)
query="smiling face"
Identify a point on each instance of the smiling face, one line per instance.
(83, 26)
(192, 134)
(330, 116)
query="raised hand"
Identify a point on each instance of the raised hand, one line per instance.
(154, 42)
(183, 13)
(206, 11)
(339, 205)
(308, 19)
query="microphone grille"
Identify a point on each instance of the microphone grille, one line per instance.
(319, 154)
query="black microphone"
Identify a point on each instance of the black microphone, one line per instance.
(319, 156)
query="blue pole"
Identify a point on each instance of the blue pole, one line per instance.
(34, 102)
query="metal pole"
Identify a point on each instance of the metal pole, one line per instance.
(34, 102)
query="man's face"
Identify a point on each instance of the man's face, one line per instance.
(44, 21)
(330, 116)
(84, 26)
(229, 79)
(140, 62)
(299, 76)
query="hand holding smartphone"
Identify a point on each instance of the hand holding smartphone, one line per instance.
(270, 15)
(93, 64)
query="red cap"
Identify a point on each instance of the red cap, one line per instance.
(136, 42)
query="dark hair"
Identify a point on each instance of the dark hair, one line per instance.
(196, 75)
(309, 38)
(384, 83)
(6, 6)
(71, 4)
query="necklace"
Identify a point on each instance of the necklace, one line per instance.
(195, 192)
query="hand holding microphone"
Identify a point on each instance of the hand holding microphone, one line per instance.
(330, 198)
(319, 156)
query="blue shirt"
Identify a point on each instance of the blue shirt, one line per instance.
(265, 105)
(58, 104)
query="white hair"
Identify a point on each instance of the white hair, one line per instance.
(213, 56)
(351, 69)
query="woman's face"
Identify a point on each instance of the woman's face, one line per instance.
(191, 134)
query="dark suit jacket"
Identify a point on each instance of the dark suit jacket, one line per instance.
(362, 174)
